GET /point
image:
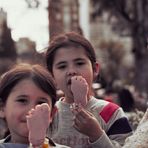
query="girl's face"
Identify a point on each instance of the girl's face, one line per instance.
(24, 96)
(72, 61)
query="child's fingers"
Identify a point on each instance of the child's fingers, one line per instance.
(84, 113)
(76, 127)
(77, 121)
(80, 124)
(79, 118)
(83, 117)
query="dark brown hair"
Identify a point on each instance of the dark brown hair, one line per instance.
(67, 40)
(38, 74)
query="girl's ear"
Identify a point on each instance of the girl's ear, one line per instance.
(2, 112)
(96, 70)
(54, 110)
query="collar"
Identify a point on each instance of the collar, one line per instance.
(8, 138)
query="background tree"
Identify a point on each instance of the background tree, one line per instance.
(113, 60)
(130, 18)
(7, 46)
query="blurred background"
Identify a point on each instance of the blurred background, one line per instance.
(118, 30)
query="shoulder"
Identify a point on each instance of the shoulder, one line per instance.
(110, 111)
(102, 105)
(105, 110)
(4, 143)
(13, 145)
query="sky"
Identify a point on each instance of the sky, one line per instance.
(25, 22)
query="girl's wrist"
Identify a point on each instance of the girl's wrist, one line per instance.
(96, 136)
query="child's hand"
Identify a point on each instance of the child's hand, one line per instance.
(79, 88)
(86, 123)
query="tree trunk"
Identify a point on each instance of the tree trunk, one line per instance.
(139, 35)
(141, 74)
(141, 59)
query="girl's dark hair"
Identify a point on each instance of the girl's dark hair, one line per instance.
(38, 74)
(67, 40)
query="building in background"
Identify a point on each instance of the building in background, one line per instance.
(11, 52)
(26, 52)
(63, 16)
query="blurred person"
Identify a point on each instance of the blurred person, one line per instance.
(126, 100)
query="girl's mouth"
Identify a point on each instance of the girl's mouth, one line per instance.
(24, 121)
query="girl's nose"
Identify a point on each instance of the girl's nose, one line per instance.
(71, 72)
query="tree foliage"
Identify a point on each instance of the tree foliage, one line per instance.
(129, 17)
(7, 47)
(113, 54)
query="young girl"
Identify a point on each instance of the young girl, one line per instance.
(91, 122)
(27, 98)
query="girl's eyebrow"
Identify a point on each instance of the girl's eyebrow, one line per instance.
(79, 59)
(61, 62)
(64, 62)
(43, 98)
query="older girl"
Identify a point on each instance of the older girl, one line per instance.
(91, 123)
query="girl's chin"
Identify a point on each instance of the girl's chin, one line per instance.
(26, 133)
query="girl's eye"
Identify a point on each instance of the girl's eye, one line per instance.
(22, 100)
(61, 67)
(80, 63)
(41, 102)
